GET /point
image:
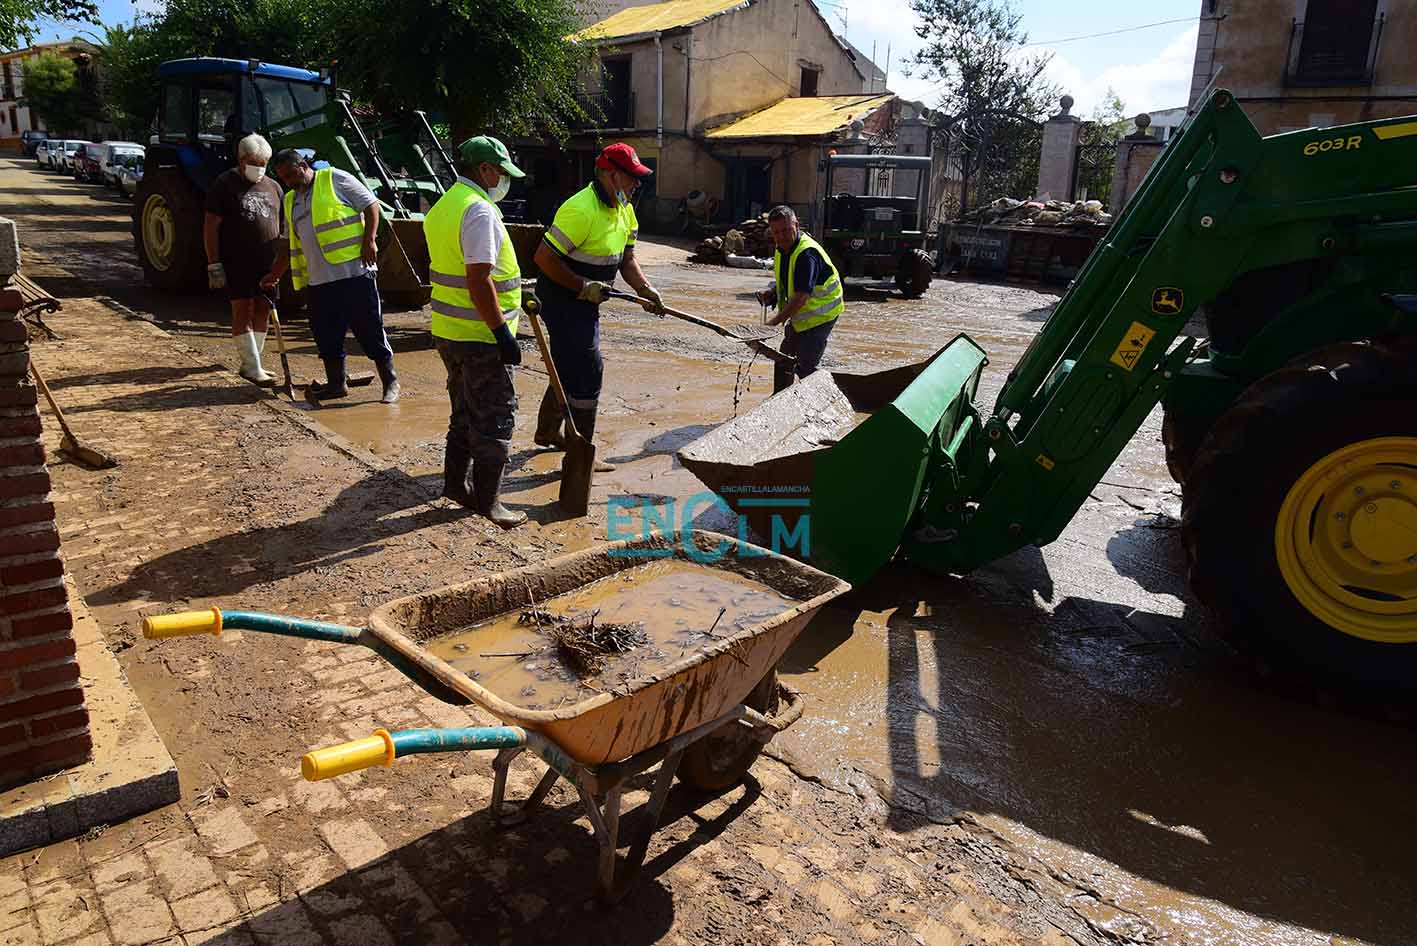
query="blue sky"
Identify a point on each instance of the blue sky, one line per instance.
(1150, 68)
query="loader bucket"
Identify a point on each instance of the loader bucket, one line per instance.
(526, 237)
(403, 264)
(807, 454)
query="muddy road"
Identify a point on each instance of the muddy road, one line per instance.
(1072, 700)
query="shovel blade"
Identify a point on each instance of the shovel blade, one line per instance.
(577, 469)
(86, 456)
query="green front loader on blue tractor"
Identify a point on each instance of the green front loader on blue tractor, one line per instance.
(207, 105)
(1291, 424)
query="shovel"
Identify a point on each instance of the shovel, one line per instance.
(69, 444)
(288, 389)
(752, 336)
(579, 460)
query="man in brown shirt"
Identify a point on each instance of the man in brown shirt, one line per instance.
(242, 227)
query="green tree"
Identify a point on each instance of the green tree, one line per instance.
(17, 17)
(992, 92)
(1097, 147)
(53, 91)
(127, 66)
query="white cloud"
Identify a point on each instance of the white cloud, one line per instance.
(1150, 79)
(1157, 82)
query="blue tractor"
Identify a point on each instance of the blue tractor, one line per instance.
(207, 105)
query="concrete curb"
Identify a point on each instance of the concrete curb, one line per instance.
(131, 772)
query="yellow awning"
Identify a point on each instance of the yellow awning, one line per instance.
(814, 115)
(656, 18)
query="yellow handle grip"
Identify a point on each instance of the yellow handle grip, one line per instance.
(182, 624)
(347, 757)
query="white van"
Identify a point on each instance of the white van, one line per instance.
(107, 169)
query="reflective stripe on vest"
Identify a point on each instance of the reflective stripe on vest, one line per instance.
(339, 228)
(454, 315)
(612, 229)
(825, 302)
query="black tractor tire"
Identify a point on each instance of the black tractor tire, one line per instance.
(719, 761)
(1235, 521)
(913, 275)
(1181, 435)
(167, 232)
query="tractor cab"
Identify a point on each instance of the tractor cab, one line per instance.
(208, 105)
(871, 222)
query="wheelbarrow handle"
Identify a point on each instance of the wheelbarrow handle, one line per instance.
(215, 620)
(384, 747)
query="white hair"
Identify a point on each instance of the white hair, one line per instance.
(254, 146)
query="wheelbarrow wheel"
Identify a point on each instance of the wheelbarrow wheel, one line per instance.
(720, 761)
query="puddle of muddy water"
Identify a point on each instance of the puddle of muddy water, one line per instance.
(664, 610)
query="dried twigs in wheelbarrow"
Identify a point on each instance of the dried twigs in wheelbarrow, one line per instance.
(584, 645)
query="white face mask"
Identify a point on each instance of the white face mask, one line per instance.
(504, 184)
(622, 198)
(253, 173)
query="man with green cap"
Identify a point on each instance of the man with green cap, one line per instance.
(476, 299)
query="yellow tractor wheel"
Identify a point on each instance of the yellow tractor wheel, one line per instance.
(1300, 519)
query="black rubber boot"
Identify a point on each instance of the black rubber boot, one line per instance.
(584, 418)
(549, 418)
(487, 488)
(455, 465)
(390, 380)
(332, 387)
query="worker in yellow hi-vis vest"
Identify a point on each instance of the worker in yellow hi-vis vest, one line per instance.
(591, 239)
(477, 294)
(332, 220)
(806, 289)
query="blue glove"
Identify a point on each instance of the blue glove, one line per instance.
(507, 345)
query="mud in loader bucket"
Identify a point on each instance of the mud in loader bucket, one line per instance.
(403, 264)
(813, 478)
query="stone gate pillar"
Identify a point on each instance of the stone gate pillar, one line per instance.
(1058, 162)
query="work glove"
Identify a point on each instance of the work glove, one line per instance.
(594, 292)
(767, 297)
(507, 345)
(651, 300)
(216, 276)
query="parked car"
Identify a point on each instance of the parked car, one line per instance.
(66, 155)
(130, 171)
(29, 140)
(85, 164)
(107, 170)
(42, 152)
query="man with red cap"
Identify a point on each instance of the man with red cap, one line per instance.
(591, 239)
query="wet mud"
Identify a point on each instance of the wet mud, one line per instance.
(670, 609)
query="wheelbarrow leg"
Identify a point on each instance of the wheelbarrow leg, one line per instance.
(515, 815)
(616, 876)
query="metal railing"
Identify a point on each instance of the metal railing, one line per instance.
(1318, 62)
(604, 110)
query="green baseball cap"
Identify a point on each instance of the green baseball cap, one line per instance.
(489, 149)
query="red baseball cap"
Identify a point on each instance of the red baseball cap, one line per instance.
(621, 157)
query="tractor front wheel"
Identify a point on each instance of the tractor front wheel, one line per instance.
(1300, 519)
(913, 275)
(167, 232)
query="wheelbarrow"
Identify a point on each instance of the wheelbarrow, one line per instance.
(703, 718)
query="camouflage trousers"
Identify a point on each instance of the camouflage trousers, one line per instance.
(484, 401)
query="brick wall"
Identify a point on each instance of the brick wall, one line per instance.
(44, 725)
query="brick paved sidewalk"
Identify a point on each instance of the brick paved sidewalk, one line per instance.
(223, 500)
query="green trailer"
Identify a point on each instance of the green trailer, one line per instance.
(1290, 425)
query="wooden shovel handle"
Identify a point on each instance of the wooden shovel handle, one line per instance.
(531, 306)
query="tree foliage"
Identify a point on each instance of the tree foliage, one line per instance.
(479, 65)
(992, 93)
(1097, 147)
(54, 90)
(18, 17)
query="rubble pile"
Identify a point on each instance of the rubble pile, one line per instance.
(749, 238)
(1006, 211)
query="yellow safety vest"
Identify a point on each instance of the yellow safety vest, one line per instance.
(594, 247)
(339, 228)
(454, 315)
(826, 301)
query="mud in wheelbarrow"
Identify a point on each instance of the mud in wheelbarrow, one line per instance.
(704, 717)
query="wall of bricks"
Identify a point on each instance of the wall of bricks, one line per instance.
(44, 725)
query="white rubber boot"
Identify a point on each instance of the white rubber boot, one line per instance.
(251, 369)
(265, 375)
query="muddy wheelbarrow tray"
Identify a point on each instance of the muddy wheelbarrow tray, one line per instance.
(715, 705)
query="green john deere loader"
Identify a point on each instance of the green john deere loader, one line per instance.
(208, 104)
(1292, 427)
